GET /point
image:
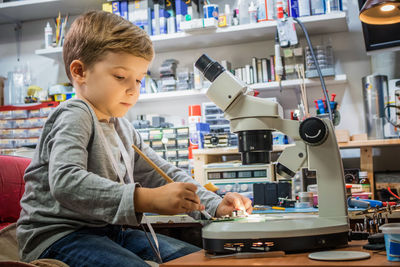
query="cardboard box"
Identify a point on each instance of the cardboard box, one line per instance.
(359, 137)
(342, 136)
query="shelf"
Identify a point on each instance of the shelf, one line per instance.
(370, 143)
(26, 10)
(174, 95)
(314, 82)
(319, 24)
(53, 52)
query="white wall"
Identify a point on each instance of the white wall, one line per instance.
(45, 71)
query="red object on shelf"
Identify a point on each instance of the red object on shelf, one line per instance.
(195, 110)
(30, 106)
(316, 104)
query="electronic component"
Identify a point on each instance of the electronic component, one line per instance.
(235, 177)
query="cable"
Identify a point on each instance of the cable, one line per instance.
(158, 256)
(321, 78)
(278, 60)
(390, 191)
(387, 118)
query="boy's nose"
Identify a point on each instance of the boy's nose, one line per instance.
(131, 91)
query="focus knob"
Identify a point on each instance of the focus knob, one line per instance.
(313, 131)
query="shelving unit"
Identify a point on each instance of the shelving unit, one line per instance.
(320, 24)
(26, 10)
(328, 23)
(340, 79)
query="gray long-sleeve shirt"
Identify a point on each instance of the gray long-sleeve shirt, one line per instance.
(71, 182)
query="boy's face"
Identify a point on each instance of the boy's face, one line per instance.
(112, 85)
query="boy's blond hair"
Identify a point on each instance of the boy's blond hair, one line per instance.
(95, 33)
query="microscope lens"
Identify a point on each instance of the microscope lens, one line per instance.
(255, 146)
(210, 68)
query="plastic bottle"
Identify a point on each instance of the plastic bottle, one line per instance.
(252, 13)
(193, 119)
(228, 15)
(48, 35)
(243, 6)
(364, 181)
(235, 18)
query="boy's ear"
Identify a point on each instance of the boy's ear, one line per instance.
(77, 70)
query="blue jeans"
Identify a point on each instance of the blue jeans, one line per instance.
(112, 246)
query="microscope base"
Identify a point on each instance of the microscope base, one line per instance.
(261, 233)
(287, 244)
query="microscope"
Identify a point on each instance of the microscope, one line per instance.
(316, 148)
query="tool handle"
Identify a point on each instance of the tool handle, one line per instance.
(152, 164)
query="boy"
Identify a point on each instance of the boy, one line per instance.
(85, 181)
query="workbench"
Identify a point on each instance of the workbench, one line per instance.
(206, 156)
(298, 259)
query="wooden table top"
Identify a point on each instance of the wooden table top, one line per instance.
(299, 259)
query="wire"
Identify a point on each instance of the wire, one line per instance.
(278, 61)
(387, 118)
(158, 256)
(321, 78)
(390, 191)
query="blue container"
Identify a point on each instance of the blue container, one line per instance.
(210, 11)
(392, 240)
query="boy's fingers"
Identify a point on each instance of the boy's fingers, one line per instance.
(189, 206)
(249, 210)
(238, 203)
(189, 195)
(229, 198)
(247, 202)
(190, 187)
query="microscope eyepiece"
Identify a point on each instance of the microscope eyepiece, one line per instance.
(211, 69)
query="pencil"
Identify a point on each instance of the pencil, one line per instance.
(163, 174)
(152, 164)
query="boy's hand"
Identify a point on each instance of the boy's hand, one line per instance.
(231, 202)
(173, 198)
